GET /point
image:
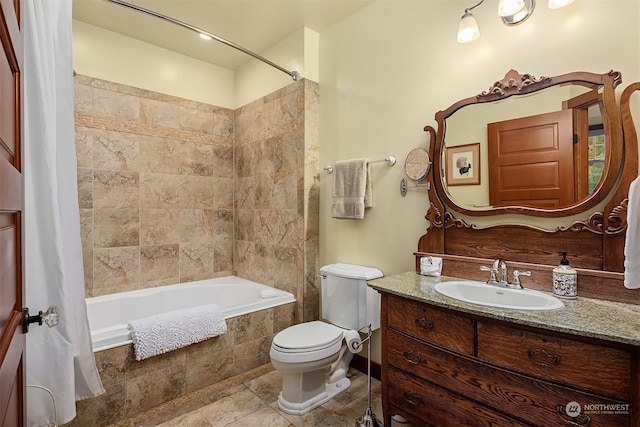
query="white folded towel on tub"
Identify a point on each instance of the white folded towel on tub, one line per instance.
(165, 332)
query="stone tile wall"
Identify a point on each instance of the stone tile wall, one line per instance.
(163, 201)
(276, 193)
(133, 387)
(155, 181)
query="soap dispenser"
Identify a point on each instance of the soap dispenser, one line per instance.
(565, 279)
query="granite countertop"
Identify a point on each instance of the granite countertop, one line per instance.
(611, 321)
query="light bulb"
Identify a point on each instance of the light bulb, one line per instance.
(509, 7)
(468, 29)
(205, 37)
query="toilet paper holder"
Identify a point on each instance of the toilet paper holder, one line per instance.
(368, 419)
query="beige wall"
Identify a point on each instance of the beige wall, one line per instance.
(386, 70)
(106, 55)
(109, 56)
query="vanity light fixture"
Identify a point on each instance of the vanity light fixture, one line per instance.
(512, 12)
(521, 15)
(468, 29)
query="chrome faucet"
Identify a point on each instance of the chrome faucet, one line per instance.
(493, 271)
(499, 266)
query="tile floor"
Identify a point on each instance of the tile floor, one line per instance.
(251, 400)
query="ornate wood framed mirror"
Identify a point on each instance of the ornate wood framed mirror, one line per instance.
(517, 140)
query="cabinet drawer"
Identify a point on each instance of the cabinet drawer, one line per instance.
(430, 324)
(592, 367)
(533, 401)
(438, 407)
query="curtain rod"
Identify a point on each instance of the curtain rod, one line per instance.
(294, 74)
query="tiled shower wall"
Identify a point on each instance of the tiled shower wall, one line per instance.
(276, 193)
(162, 200)
(155, 181)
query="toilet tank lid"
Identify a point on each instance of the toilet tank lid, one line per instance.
(351, 271)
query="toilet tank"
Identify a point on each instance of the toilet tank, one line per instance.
(347, 301)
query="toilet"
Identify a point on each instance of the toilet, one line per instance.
(313, 357)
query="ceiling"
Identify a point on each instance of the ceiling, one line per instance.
(253, 24)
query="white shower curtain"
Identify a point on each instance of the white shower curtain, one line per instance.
(60, 358)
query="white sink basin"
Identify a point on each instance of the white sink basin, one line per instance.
(493, 296)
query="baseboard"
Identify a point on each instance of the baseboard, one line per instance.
(360, 363)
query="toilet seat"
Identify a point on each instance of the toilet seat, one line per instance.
(306, 342)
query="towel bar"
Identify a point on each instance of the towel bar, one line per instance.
(391, 160)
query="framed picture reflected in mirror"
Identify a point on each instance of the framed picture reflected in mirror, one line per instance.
(463, 164)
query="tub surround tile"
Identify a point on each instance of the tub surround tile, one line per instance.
(112, 365)
(252, 326)
(116, 105)
(145, 392)
(115, 189)
(278, 227)
(196, 225)
(116, 151)
(159, 263)
(85, 188)
(103, 410)
(196, 159)
(201, 173)
(116, 227)
(196, 192)
(251, 354)
(159, 191)
(196, 261)
(284, 316)
(158, 226)
(209, 362)
(159, 155)
(86, 238)
(277, 191)
(223, 161)
(115, 270)
(82, 96)
(223, 193)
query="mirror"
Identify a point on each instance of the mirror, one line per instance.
(546, 145)
(417, 164)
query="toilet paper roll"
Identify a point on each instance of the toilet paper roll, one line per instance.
(353, 341)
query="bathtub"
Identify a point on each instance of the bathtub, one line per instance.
(109, 315)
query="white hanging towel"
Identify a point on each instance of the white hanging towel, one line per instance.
(351, 189)
(632, 241)
(169, 331)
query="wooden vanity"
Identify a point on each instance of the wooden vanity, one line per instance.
(449, 363)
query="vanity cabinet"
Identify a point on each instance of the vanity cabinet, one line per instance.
(444, 367)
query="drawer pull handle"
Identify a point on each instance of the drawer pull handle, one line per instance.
(412, 357)
(582, 420)
(543, 359)
(412, 397)
(424, 324)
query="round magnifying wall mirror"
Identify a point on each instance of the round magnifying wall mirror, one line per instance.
(417, 164)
